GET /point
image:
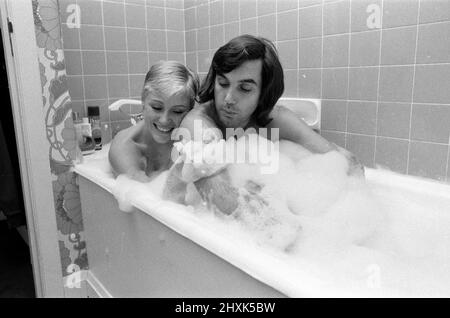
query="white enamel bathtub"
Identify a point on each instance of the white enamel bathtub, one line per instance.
(163, 250)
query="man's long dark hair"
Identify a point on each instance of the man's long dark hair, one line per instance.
(232, 55)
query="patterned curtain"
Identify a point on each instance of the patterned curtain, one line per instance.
(60, 133)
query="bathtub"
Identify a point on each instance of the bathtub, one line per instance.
(162, 250)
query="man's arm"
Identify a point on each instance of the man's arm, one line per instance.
(293, 128)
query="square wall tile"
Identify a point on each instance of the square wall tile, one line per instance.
(266, 7)
(334, 115)
(362, 117)
(203, 16)
(78, 106)
(335, 50)
(430, 123)
(434, 11)
(309, 83)
(118, 86)
(190, 19)
(156, 18)
(175, 41)
(114, 14)
(191, 41)
(336, 17)
(267, 27)
(157, 41)
(95, 87)
(310, 22)
(175, 4)
(400, 13)
(428, 160)
(94, 62)
(75, 86)
(432, 84)
(216, 36)
(335, 137)
(231, 30)
(363, 11)
(310, 53)
(135, 16)
(136, 85)
(230, 11)
(398, 46)
(396, 83)
(91, 12)
(287, 25)
(392, 154)
(115, 39)
(433, 43)
(138, 62)
(363, 147)
(72, 60)
(290, 83)
(249, 26)
(247, 9)
(91, 37)
(288, 54)
(363, 83)
(117, 62)
(393, 120)
(203, 39)
(365, 48)
(175, 19)
(156, 3)
(136, 39)
(216, 12)
(335, 83)
(70, 37)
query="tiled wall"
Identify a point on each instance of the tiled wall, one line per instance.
(108, 56)
(385, 91)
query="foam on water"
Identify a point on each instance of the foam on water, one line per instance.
(349, 233)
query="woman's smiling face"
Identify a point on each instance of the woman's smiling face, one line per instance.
(163, 115)
(236, 94)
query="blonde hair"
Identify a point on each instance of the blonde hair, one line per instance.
(167, 78)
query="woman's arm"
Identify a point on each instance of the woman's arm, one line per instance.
(126, 156)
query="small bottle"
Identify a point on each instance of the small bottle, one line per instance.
(94, 119)
(84, 134)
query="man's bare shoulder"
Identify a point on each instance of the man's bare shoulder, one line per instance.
(199, 112)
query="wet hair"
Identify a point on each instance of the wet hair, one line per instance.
(167, 78)
(232, 55)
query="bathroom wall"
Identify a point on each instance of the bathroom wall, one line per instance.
(382, 68)
(108, 55)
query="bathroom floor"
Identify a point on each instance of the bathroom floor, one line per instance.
(16, 276)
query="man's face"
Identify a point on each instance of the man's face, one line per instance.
(236, 94)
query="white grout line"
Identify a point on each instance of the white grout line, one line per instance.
(348, 75)
(82, 69)
(106, 61)
(413, 86)
(126, 42)
(378, 85)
